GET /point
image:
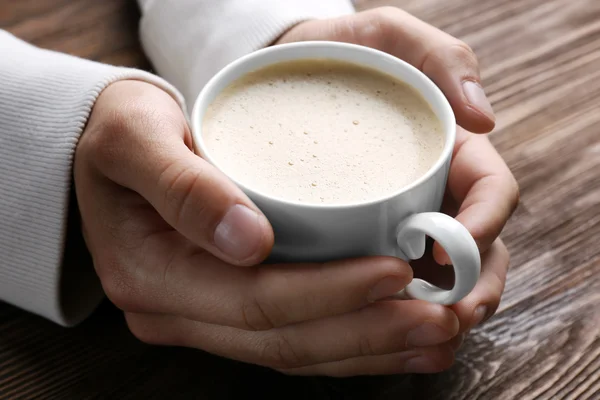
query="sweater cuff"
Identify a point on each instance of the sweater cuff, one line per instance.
(189, 41)
(45, 101)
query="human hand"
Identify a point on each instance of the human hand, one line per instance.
(449, 62)
(174, 243)
(481, 194)
(481, 191)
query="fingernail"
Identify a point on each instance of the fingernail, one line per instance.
(239, 233)
(388, 286)
(478, 315)
(419, 364)
(427, 334)
(477, 98)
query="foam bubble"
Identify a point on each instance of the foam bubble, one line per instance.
(318, 158)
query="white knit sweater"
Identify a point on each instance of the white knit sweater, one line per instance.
(45, 100)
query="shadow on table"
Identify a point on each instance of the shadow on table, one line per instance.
(101, 359)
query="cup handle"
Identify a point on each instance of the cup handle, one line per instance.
(459, 245)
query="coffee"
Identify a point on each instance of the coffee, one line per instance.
(321, 131)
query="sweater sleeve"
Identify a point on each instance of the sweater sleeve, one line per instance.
(188, 41)
(45, 100)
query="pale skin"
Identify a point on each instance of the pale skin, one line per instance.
(178, 247)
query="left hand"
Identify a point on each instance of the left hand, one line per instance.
(449, 62)
(481, 191)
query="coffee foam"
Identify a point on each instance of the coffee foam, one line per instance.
(320, 131)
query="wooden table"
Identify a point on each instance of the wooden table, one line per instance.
(541, 67)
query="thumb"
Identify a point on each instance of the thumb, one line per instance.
(205, 206)
(142, 146)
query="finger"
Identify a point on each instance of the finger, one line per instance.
(144, 267)
(483, 301)
(381, 328)
(449, 62)
(426, 360)
(456, 342)
(166, 275)
(148, 151)
(480, 181)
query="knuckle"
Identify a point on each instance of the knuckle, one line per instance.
(117, 283)
(278, 353)
(181, 186)
(119, 121)
(149, 332)
(387, 14)
(255, 317)
(140, 330)
(365, 347)
(109, 137)
(457, 55)
(368, 34)
(462, 49)
(271, 306)
(132, 122)
(375, 28)
(464, 54)
(378, 342)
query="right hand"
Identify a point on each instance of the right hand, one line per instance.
(175, 244)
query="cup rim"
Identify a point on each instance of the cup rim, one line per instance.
(449, 131)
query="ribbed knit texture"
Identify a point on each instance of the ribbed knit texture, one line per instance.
(45, 101)
(189, 41)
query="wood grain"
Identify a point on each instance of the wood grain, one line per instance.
(540, 61)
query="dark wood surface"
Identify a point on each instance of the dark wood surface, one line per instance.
(541, 67)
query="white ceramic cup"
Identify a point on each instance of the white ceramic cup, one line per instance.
(394, 225)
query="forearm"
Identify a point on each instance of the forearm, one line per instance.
(188, 41)
(45, 100)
